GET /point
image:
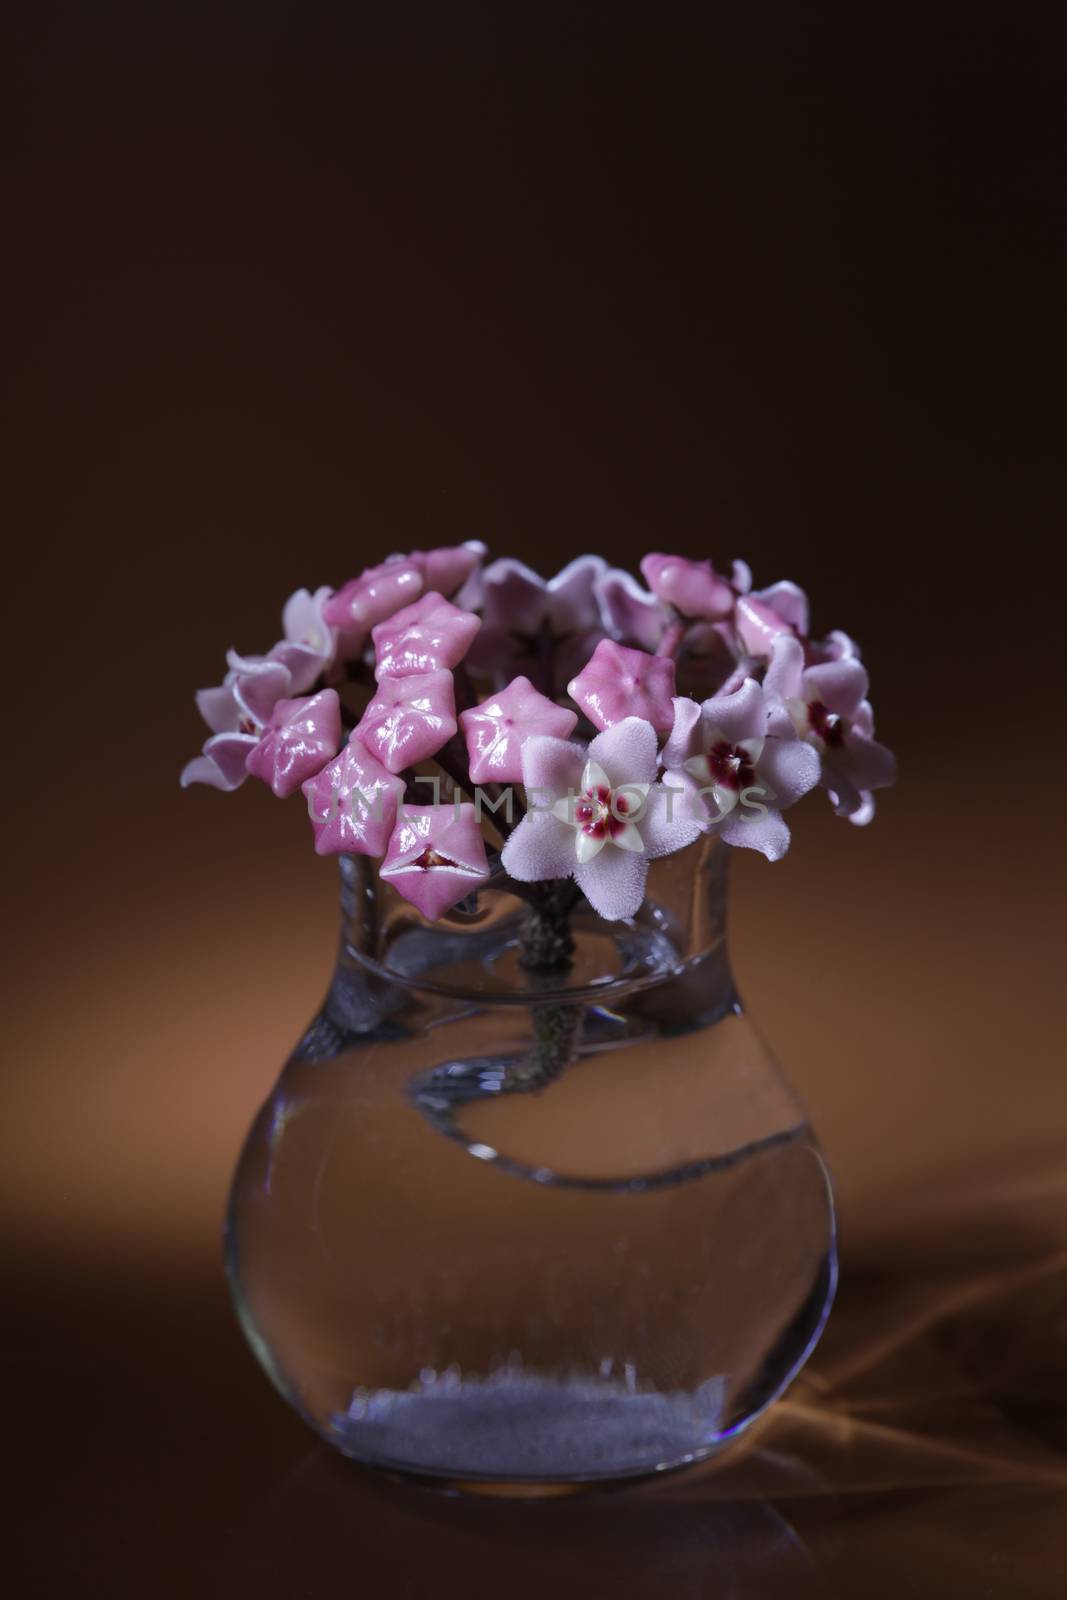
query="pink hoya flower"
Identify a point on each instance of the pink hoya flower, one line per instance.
(598, 815)
(362, 602)
(781, 611)
(409, 719)
(436, 857)
(694, 587)
(525, 615)
(423, 637)
(379, 592)
(352, 803)
(452, 567)
(743, 751)
(633, 615)
(617, 682)
(829, 708)
(236, 712)
(497, 730)
(299, 739)
(309, 643)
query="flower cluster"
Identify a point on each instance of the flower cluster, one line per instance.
(620, 722)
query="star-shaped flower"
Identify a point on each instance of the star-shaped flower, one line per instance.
(633, 615)
(369, 599)
(424, 637)
(829, 708)
(598, 815)
(529, 621)
(452, 567)
(617, 682)
(497, 730)
(436, 857)
(379, 592)
(743, 751)
(299, 739)
(236, 712)
(352, 803)
(409, 719)
(781, 611)
(694, 587)
(310, 643)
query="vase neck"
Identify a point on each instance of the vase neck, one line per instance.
(493, 950)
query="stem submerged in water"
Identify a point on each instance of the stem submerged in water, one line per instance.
(546, 943)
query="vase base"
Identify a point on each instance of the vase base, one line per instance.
(527, 1432)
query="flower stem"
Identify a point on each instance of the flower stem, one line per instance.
(546, 943)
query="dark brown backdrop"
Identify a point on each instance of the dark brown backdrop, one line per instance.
(288, 289)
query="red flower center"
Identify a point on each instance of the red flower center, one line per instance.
(826, 724)
(731, 767)
(595, 814)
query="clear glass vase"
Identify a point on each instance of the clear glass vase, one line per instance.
(503, 1225)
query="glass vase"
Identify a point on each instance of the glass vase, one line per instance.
(503, 1225)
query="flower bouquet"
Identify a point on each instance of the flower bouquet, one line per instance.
(594, 724)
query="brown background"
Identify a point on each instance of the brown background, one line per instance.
(288, 289)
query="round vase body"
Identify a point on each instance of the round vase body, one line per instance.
(498, 1226)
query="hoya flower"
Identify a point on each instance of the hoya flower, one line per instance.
(423, 637)
(452, 567)
(497, 730)
(780, 612)
(436, 857)
(369, 599)
(744, 753)
(352, 803)
(310, 643)
(760, 621)
(527, 618)
(829, 708)
(409, 719)
(633, 615)
(617, 682)
(598, 815)
(236, 712)
(694, 587)
(299, 739)
(379, 592)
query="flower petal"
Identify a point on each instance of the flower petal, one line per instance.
(541, 847)
(626, 752)
(587, 846)
(741, 715)
(840, 685)
(785, 674)
(630, 613)
(222, 761)
(670, 820)
(571, 598)
(515, 597)
(614, 884)
(684, 740)
(769, 833)
(871, 765)
(789, 601)
(551, 766)
(791, 768)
